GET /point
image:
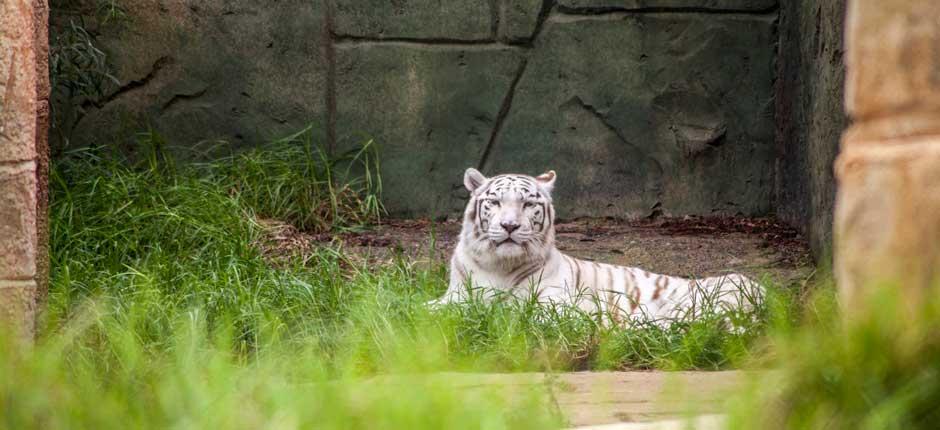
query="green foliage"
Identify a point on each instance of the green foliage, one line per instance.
(162, 310)
(78, 69)
(95, 372)
(159, 240)
(295, 181)
(878, 368)
(79, 72)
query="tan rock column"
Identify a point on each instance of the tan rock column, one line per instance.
(887, 217)
(24, 93)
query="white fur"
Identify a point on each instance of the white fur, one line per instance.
(524, 261)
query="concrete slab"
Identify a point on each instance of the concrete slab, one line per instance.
(612, 400)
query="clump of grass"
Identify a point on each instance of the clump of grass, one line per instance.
(164, 238)
(295, 181)
(79, 76)
(878, 369)
(80, 73)
(78, 69)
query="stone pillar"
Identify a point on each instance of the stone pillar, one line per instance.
(887, 217)
(24, 92)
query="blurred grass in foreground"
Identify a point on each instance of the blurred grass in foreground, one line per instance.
(877, 369)
(97, 373)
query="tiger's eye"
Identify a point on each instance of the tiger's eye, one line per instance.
(528, 205)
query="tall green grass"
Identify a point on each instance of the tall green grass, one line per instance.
(163, 311)
(96, 372)
(156, 239)
(296, 181)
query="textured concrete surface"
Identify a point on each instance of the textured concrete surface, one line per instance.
(720, 5)
(888, 216)
(519, 19)
(702, 422)
(888, 208)
(24, 92)
(429, 110)
(18, 82)
(18, 305)
(604, 398)
(655, 107)
(210, 75)
(809, 114)
(415, 19)
(18, 220)
(642, 113)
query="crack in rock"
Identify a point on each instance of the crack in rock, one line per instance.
(182, 97)
(132, 85)
(578, 101)
(503, 113)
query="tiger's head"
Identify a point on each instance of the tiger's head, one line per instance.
(509, 218)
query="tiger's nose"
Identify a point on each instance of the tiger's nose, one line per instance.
(509, 226)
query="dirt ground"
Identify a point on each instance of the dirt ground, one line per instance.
(691, 246)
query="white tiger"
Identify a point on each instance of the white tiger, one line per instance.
(507, 245)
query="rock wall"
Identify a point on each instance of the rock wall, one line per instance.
(24, 108)
(643, 107)
(810, 114)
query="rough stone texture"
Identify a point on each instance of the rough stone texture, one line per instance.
(43, 92)
(643, 114)
(662, 111)
(903, 36)
(239, 71)
(519, 19)
(810, 116)
(432, 112)
(23, 110)
(18, 220)
(887, 219)
(728, 5)
(415, 19)
(888, 216)
(18, 82)
(18, 305)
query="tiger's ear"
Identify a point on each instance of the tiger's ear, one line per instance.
(546, 180)
(472, 179)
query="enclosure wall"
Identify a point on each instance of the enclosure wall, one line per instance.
(643, 107)
(810, 114)
(24, 108)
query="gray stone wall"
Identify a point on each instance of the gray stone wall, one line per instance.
(810, 115)
(642, 106)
